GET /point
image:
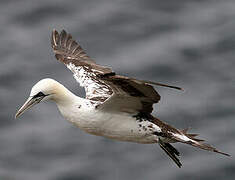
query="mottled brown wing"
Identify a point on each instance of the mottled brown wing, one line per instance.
(114, 92)
(85, 70)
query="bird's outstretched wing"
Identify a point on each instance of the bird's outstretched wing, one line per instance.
(85, 70)
(114, 92)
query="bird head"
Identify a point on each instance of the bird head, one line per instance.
(43, 90)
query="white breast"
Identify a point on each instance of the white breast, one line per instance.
(123, 127)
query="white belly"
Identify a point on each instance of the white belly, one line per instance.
(121, 127)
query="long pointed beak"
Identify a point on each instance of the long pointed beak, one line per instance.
(28, 104)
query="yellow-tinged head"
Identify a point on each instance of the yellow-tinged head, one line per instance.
(43, 90)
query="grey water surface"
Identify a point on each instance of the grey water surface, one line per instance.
(185, 43)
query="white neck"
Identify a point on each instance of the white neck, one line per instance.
(62, 96)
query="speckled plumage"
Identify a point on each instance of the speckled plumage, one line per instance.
(94, 87)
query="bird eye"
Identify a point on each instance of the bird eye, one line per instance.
(40, 94)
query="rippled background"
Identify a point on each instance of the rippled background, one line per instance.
(185, 43)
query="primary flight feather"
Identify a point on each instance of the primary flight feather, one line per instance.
(115, 106)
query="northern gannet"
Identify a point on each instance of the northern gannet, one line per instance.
(115, 106)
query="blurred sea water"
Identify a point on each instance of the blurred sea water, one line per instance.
(185, 43)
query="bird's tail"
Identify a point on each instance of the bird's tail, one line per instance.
(183, 137)
(170, 134)
(191, 139)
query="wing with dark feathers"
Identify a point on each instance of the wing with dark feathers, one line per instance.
(114, 92)
(130, 95)
(85, 70)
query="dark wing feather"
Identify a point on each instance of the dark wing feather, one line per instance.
(113, 92)
(130, 95)
(85, 70)
(65, 48)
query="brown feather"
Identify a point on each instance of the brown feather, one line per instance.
(169, 131)
(141, 95)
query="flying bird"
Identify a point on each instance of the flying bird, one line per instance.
(116, 107)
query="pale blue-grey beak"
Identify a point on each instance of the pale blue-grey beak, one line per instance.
(31, 101)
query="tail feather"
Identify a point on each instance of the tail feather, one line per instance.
(205, 146)
(184, 131)
(192, 136)
(170, 134)
(197, 142)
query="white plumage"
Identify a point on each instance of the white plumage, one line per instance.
(116, 107)
(83, 113)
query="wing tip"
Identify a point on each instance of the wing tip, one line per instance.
(182, 89)
(176, 87)
(163, 85)
(54, 31)
(54, 38)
